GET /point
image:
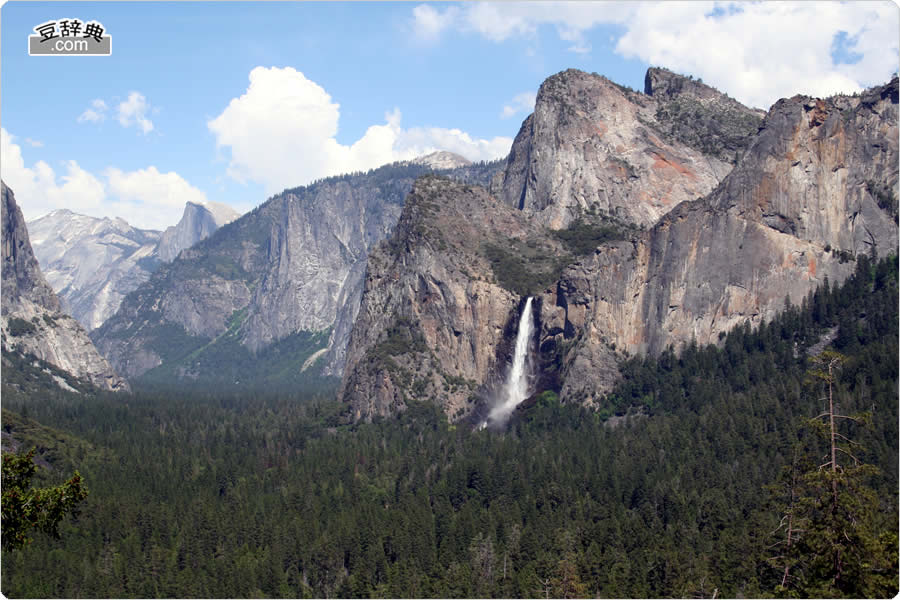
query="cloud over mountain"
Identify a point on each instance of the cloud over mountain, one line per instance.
(282, 132)
(738, 47)
(146, 198)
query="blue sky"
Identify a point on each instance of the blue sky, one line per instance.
(232, 102)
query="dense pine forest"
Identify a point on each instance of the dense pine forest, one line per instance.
(679, 485)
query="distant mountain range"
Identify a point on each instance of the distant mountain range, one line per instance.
(271, 297)
(92, 263)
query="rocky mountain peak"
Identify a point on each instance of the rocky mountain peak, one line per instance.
(442, 160)
(92, 262)
(812, 187)
(602, 151)
(700, 116)
(197, 223)
(222, 213)
(663, 84)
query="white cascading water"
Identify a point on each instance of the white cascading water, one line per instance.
(516, 388)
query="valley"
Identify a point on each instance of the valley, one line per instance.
(591, 368)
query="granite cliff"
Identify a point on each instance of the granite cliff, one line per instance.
(810, 193)
(594, 146)
(198, 222)
(92, 263)
(434, 316)
(31, 320)
(813, 185)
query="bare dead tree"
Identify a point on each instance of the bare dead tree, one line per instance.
(827, 366)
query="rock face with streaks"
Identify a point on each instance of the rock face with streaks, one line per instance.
(594, 146)
(31, 320)
(92, 263)
(802, 201)
(433, 315)
(814, 185)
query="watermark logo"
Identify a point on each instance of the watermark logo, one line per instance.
(70, 37)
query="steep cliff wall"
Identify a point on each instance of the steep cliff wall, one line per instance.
(92, 263)
(30, 320)
(815, 185)
(594, 146)
(433, 314)
(801, 203)
(198, 222)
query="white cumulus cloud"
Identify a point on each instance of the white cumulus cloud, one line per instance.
(523, 102)
(499, 21)
(38, 189)
(281, 133)
(757, 52)
(133, 111)
(145, 198)
(429, 23)
(159, 197)
(96, 113)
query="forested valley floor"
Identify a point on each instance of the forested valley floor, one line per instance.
(674, 487)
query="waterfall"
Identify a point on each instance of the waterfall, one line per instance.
(516, 388)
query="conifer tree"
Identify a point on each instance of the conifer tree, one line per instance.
(24, 509)
(832, 545)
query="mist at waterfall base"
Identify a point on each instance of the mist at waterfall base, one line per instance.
(515, 389)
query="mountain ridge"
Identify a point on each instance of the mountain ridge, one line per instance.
(93, 262)
(293, 264)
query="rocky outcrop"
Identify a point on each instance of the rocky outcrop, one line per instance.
(92, 263)
(699, 116)
(442, 160)
(22, 279)
(294, 264)
(197, 223)
(814, 186)
(31, 320)
(433, 315)
(592, 146)
(794, 211)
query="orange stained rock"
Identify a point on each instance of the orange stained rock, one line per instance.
(661, 162)
(819, 114)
